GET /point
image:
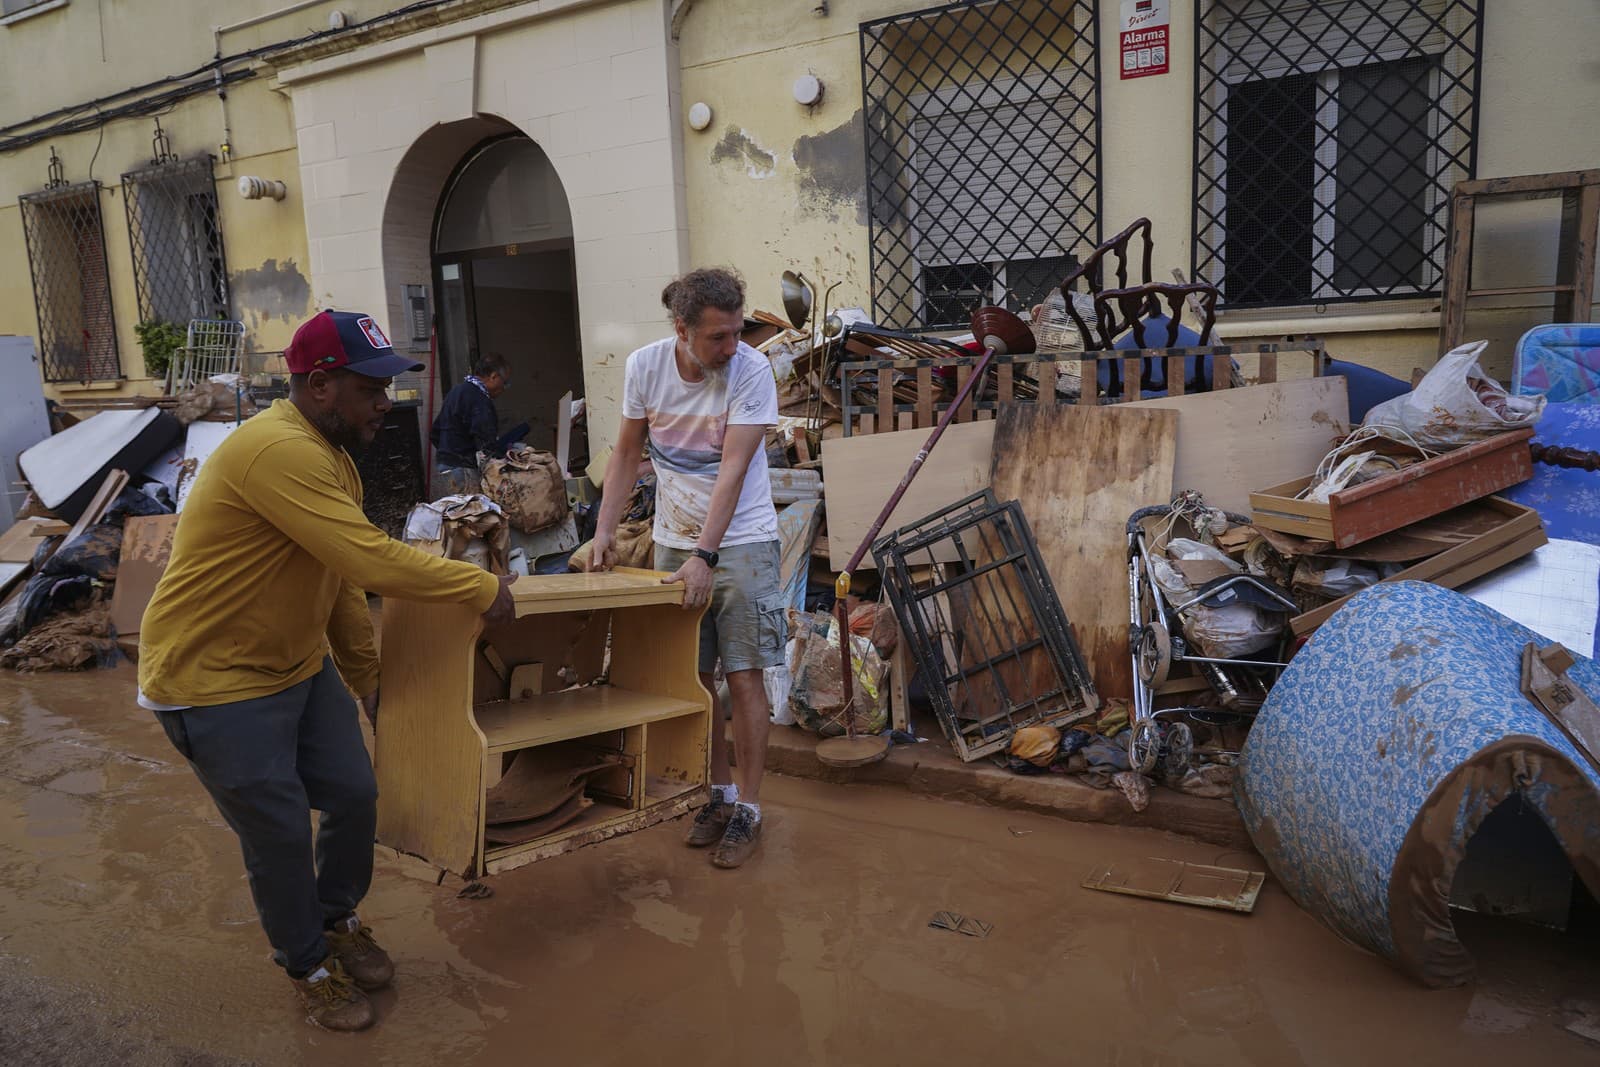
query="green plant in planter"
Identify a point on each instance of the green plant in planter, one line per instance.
(161, 342)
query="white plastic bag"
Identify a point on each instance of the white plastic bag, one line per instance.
(1224, 632)
(1456, 404)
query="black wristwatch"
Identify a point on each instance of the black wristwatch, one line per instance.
(709, 557)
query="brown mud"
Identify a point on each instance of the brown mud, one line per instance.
(127, 936)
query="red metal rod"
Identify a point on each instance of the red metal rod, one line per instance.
(842, 586)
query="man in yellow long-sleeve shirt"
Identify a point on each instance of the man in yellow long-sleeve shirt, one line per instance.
(257, 628)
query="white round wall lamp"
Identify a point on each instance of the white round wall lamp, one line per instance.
(262, 188)
(808, 90)
(699, 115)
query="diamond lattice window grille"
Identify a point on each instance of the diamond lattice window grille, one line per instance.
(65, 237)
(1328, 136)
(179, 270)
(983, 154)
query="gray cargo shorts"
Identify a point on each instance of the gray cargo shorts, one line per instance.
(747, 624)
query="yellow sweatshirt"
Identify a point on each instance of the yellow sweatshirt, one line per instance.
(269, 564)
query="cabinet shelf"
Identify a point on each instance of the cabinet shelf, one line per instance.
(550, 717)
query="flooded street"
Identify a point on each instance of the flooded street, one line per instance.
(127, 936)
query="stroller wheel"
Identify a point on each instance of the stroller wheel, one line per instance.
(1144, 745)
(1155, 654)
(1180, 750)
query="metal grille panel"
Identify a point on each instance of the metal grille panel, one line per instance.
(1327, 139)
(983, 154)
(179, 271)
(65, 236)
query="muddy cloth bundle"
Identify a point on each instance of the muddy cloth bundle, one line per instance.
(470, 528)
(529, 487)
(68, 642)
(634, 542)
(74, 575)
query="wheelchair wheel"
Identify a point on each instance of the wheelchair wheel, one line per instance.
(1155, 653)
(1144, 745)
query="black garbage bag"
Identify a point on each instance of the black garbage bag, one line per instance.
(71, 578)
(133, 501)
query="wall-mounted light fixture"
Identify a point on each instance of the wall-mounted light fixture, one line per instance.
(699, 115)
(262, 188)
(808, 90)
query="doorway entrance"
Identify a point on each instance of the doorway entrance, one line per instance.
(506, 281)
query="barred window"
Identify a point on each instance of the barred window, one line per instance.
(179, 272)
(983, 161)
(65, 237)
(1329, 136)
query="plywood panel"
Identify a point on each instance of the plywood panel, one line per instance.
(1234, 441)
(1079, 473)
(862, 472)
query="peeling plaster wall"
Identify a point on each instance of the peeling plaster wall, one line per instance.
(808, 210)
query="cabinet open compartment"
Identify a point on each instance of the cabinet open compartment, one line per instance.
(614, 742)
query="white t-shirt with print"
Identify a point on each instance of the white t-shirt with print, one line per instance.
(687, 422)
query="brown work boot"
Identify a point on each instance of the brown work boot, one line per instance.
(739, 839)
(332, 999)
(366, 964)
(709, 822)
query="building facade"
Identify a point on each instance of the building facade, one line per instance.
(524, 176)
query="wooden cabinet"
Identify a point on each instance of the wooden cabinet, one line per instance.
(461, 700)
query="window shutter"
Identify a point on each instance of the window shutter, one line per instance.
(1269, 39)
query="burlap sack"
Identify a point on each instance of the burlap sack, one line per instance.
(528, 486)
(635, 545)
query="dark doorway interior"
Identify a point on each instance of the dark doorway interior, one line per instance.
(504, 271)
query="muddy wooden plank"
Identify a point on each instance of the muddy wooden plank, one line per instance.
(1080, 472)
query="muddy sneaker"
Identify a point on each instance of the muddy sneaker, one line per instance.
(364, 962)
(332, 999)
(739, 839)
(709, 822)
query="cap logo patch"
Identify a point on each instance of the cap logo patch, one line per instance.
(373, 334)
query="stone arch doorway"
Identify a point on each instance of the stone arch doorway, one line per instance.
(504, 279)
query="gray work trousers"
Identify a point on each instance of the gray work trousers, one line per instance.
(267, 763)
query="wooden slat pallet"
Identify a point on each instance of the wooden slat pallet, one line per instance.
(1573, 288)
(920, 397)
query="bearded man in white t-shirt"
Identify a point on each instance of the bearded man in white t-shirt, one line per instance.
(706, 400)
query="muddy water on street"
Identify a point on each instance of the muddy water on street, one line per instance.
(127, 936)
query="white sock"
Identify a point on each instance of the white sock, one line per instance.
(753, 809)
(729, 793)
(317, 975)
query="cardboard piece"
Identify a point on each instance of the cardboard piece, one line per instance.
(146, 548)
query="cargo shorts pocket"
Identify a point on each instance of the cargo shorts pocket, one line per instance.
(772, 626)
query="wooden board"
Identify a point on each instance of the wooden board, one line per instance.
(1410, 494)
(1080, 472)
(1234, 441)
(1520, 533)
(1182, 883)
(862, 472)
(18, 544)
(146, 547)
(549, 717)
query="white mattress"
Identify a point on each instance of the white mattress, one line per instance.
(59, 465)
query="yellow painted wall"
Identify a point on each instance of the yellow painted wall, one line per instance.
(115, 46)
(755, 203)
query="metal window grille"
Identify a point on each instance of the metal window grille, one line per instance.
(65, 238)
(1327, 139)
(983, 154)
(179, 271)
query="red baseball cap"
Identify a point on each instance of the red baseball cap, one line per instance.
(349, 339)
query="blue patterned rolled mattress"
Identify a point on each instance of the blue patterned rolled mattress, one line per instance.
(1384, 746)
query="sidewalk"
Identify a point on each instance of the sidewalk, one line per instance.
(932, 768)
